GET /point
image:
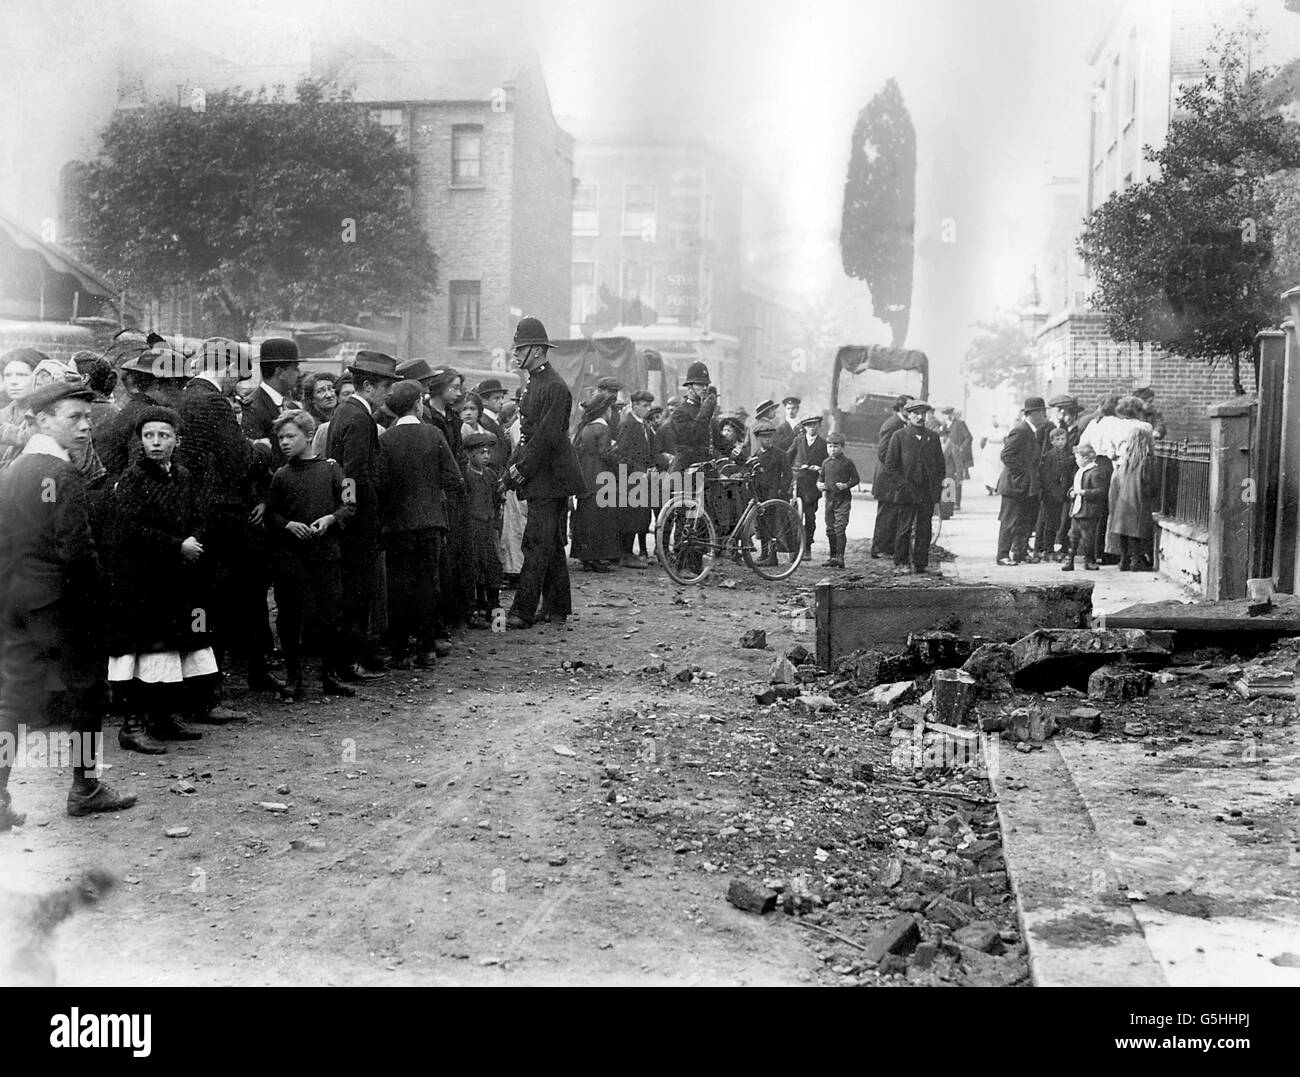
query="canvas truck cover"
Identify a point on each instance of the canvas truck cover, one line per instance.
(856, 358)
(582, 362)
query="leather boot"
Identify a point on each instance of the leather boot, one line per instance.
(332, 687)
(135, 737)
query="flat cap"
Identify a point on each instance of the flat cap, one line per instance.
(47, 396)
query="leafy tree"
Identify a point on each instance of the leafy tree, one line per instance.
(269, 209)
(1001, 352)
(878, 225)
(1186, 260)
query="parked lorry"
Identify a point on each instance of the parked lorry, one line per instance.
(861, 420)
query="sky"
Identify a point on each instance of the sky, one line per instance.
(997, 90)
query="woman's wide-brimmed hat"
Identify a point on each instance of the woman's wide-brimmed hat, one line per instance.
(599, 402)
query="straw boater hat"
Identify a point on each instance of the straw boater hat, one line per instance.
(811, 420)
(763, 407)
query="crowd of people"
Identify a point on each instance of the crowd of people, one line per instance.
(1081, 486)
(162, 525)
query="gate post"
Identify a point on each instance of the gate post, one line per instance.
(1231, 510)
(1266, 451)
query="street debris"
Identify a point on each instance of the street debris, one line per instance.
(750, 897)
(1114, 684)
(755, 639)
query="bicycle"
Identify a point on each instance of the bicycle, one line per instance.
(685, 531)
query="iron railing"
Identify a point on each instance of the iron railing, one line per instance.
(1184, 469)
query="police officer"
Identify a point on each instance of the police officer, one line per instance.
(692, 420)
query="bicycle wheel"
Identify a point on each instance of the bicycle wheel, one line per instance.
(779, 531)
(685, 539)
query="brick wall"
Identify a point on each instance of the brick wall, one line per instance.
(542, 225)
(1080, 358)
(468, 226)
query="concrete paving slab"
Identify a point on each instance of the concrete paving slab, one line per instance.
(1079, 928)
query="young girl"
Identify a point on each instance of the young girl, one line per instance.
(483, 497)
(471, 412)
(161, 659)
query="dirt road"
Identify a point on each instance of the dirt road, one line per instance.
(551, 806)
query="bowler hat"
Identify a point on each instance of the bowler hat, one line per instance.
(415, 369)
(377, 363)
(531, 333)
(643, 396)
(811, 420)
(47, 396)
(475, 440)
(277, 350)
(488, 386)
(696, 374)
(921, 405)
(762, 427)
(792, 400)
(1034, 403)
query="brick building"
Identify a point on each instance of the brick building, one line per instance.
(1140, 58)
(1079, 357)
(493, 183)
(657, 246)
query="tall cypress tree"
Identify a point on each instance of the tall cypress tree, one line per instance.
(877, 232)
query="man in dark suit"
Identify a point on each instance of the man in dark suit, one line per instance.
(635, 448)
(278, 358)
(913, 472)
(690, 423)
(886, 526)
(544, 470)
(354, 443)
(49, 580)
(223, 463)
(785, 429)
(807, 455)
(1020, 483)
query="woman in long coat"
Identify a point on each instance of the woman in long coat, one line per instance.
(595, 524)
(514, 515)
(990, 461)
(1132, 487)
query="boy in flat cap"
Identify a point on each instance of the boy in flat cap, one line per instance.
(807, 455)
(484, 503)
(635, 448)
(49, 587)
(772, 479)
(785, 429)
(839, 475)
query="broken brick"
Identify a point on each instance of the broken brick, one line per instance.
(981, 935)
(750, 897)
(943, 910)
(1115, 684)
(900, 936)
(798, 654)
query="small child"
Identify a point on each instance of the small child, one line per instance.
(839, 476)
(161, 658)
(307, 499)
(772, 480)
(1088, 495)
(483, 494)
(1056, 472)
